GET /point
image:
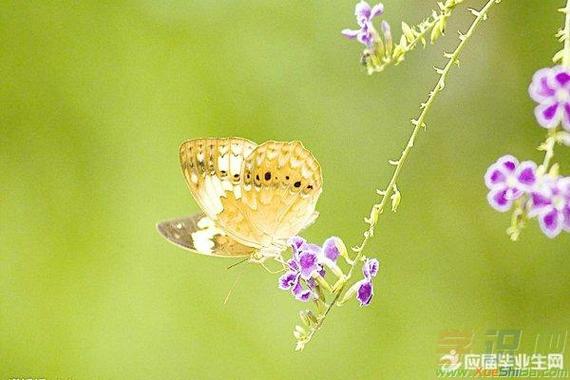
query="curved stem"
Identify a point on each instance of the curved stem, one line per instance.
(566, 55)
(418, 124)
(548, 147)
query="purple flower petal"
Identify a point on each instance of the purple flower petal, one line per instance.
(540, 203)
(540, 89)
(330, 249)
(377, 10)
(311, 283)
(499, 199)
(508, 163)
(551, 223)
(370, 268)
(365, 292)
(494, 176)
(288, 280)
(365, 37)
(297, 287)
(301, 293)
(308, 263)
(304, 295)
(293, 265)
(296, 242)
(562, 77)
(362, 11)
(547, 115)
(350, 33)
(526, 174)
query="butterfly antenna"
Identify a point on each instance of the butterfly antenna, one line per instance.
(233, 286)
(238, 263)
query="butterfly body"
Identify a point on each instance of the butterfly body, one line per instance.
(253, 197)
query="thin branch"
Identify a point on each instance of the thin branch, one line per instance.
(562, 56)
(418, 123)
(566, 55)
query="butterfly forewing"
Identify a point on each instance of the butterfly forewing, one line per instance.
(199, 234)
(212, 168)
(281, 184)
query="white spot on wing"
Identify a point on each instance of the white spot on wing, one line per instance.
(204, 238)
(205, 223)
(223, 163)
(235, 164)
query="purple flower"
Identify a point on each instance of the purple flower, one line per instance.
(370, 268)
(550, 202)
(296, 242)
(365, 293)
(292, 281)
(507, 180)
(288, 280)
(301, 293)
(307, 258)
(550, 88)
(302, 266)
(365, 290)
(330, 250)
(364, 14)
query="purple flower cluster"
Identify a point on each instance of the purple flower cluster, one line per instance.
(550, 88)
(307, 262)
(543, 196)
(364, 13)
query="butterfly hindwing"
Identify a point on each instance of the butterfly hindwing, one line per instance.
(199, 234)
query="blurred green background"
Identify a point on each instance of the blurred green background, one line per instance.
(96, 97)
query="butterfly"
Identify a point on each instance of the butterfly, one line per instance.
(253, 197)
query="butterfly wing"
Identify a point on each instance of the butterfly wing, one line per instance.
(199, 234)
(282, 182)
(257, 195)
(213, 172)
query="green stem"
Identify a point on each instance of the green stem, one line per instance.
(566, 55)
(418, 124)
(548, 147)
(550, 142)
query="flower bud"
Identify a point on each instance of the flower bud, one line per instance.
(386, 31)
(563, 138)
(300, 333)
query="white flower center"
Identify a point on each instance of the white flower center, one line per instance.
(511, 181)
(558, 202)
(562, 95)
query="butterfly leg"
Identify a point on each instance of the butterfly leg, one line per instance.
(269, 270)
